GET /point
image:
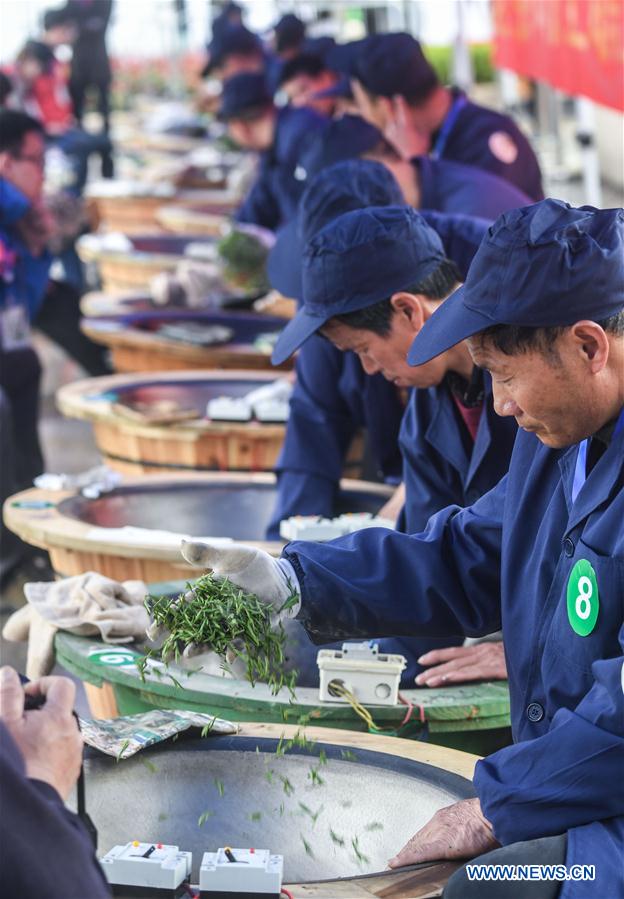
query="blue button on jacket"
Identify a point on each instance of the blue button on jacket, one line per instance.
(501, 562)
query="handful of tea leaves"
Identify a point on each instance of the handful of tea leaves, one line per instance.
(215, 613)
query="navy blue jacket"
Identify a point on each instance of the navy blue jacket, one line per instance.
(492, 141)
(442, 467)
(26, 280)
(452, 187)
(272, 200)
(508, 561)
(441, 464)
(46, 852)
(332, 399)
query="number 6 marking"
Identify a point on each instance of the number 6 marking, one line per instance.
(583, 600)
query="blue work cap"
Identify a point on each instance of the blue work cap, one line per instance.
(242, 94)
(289, 32)
(343, 138)
(361, 258)
(391, 64)
(540, 266)
(354, 184)
(230, 40)
(343, 57)
(319, 46)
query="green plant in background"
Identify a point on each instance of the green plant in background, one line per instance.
(441, 58)
(244, 256)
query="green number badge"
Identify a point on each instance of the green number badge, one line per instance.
(583, 599)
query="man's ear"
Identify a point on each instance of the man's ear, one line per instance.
(410, 309)
(591, 341)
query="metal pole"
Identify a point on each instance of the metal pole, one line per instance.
(585, 136)
(462, 65)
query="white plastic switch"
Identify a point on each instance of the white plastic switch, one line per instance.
(356, 521)
(227, 408)
(312, 527)
(147, 865)
(309, 527)
(372, 677)
(271, 410)
(241, 871)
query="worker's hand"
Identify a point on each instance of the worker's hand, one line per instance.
(457, 831)
(461, 664)
(402, 133)
(48, 738)
(255, 571)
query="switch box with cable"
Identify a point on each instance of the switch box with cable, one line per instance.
(241, 874)
(157, 868)
(370, 676)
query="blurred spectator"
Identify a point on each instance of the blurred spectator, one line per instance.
(233, 50)
(46, 851)
(279, 136)
(41, 91)
(230, 14)
(305, 81)
(24, 265)
(289, 36)
(90, 65)
(6, 89)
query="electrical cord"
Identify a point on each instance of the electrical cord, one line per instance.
(338, 689)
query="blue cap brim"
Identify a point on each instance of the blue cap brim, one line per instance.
(284, 262)
(451, 323)
(296, 332)
(341, 88)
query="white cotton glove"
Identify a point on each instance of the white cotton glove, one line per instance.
(28, 624)
(255, 571)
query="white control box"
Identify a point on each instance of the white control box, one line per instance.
(241, 871)
(372, 677)
(356, 521)
(147, 865)
(272, 410)
(313, 527)
(228, 408)
(309, 527)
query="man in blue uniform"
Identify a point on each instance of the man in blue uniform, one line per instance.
(449, 186)
(234, 50)
(333, 396)
(454, 447)
(542, 553)
(398, 90)
(279, 136)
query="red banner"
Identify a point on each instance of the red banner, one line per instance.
(576, 46)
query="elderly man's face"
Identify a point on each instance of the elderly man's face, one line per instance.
(548, 392)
